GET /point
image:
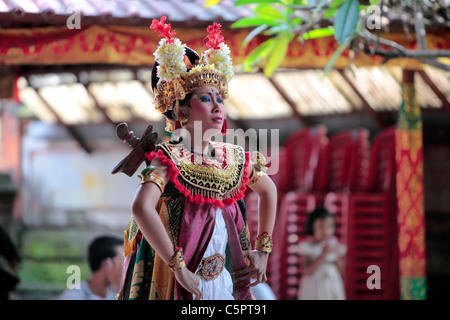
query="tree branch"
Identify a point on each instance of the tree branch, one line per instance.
(423, 56)
(305, 8)
(414, 54)
(419, 26)
(436, 64)
(400, 51)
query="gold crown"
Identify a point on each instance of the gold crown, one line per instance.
(177, 89)
(179, 77)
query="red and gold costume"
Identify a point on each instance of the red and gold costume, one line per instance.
(200, 188)
(197, 186)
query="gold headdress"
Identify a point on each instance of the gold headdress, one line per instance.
(179, 77)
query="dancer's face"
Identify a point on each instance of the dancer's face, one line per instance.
(206, 106)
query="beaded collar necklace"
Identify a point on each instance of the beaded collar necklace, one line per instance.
(211, 151)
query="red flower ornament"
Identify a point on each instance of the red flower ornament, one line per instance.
(215, 39)
(163, 29)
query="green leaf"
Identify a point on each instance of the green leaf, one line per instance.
(258, 55)
(268, 11)
(331, 11)
(277, 29)
(346, 21)
(297, 21)
(318, 33)
(277, 53)
(253, 34)
(336, 3)
(253, 22)
(244, 2)
(335, 56)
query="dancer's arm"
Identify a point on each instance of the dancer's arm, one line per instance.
(267, 193)
(152, 228)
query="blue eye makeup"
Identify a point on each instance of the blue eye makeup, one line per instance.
(205, 98)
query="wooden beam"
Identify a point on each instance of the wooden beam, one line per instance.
(289, 101)
(435, 89)
(343, 93)
(366, 105)
(96, 103)
(98, 106)
(70, 129)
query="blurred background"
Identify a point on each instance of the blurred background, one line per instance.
(360, 103)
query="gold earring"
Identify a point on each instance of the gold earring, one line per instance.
(183, 118)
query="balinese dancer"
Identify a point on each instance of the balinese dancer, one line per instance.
(188, 236)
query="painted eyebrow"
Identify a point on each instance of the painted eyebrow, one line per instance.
(210, 93)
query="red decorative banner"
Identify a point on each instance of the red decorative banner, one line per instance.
(135, 46)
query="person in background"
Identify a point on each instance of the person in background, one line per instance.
(9, 258)
(106, 262)
(322, 252)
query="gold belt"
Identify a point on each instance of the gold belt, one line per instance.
(211, 267)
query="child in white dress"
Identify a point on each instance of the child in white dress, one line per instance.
(322, 252)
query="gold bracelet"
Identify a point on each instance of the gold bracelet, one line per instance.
(264, 243)
(156, 180)
(259, 161)
(256, 175)
(259, 167)
(149, 175)
(147, 171)
(177, 261)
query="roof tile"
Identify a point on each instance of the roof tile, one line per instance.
(175, 10)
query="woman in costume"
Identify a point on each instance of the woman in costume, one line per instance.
(188, 236)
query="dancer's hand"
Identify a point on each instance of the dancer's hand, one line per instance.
(257, 268)
(189, 281)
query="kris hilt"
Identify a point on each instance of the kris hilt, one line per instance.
(140, 146)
